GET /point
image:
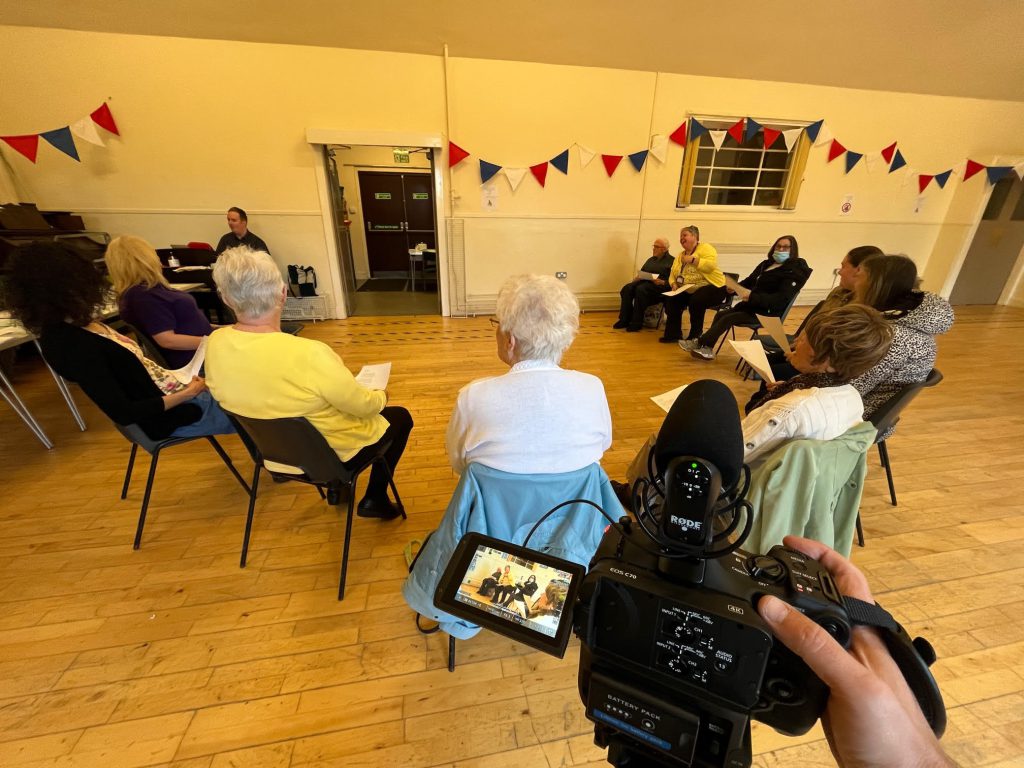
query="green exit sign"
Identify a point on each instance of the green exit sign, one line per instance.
(420, 196)
(402, 156)
(381, 195)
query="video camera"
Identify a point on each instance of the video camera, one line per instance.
(675, 659)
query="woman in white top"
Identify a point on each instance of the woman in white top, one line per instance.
(538, 418)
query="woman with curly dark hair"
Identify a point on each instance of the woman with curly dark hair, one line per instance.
(56, 293)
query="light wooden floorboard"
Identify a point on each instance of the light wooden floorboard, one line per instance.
(173, 656)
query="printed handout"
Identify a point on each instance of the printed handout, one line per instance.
(773, 326)
(647, 275)
(375, 376)
(681, 289)
(736, 288)
(753, 353)
(186, 373)
(666, 399)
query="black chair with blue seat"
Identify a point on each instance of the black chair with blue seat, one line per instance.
(138, 438)
(297, 443)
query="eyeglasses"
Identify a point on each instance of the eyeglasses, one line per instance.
(495, 322)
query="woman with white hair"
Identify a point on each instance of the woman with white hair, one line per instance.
(257, 371)
(538, 418)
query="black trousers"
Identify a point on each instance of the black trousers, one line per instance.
(636, 297)
(723, 322)
(399, 427)
(698, 303)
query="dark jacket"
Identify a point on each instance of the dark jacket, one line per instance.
(659, 265)
(114, 379)
(771, 290)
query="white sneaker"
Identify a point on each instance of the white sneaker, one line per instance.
(688, 345)
(704, 353)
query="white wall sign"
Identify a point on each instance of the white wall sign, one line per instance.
(846, 207)
(489, 197)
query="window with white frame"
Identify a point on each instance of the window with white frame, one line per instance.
(742, 173)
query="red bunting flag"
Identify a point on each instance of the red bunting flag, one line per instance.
(26, 145)
(835, 150)
(737, 131)
(456, 154)
(972, 168)
(104, 119)
(923, 180)
(540, 172)
(888, 152)
(611, 162)
(770, 135)
(679, 134)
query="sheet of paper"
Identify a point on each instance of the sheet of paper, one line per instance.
(736, 288)
(753, 353)
(681, 289)
(375, 376)
(647, 275)
(187, 372)
(666, 399)
(774, 328)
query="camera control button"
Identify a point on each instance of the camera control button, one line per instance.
(647, 723)
(765, 567)
(782, 690)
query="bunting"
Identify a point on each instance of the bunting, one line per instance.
(791, 136)
(972, 168)
(456, 154)
(751, 129)
(923, 180)
(561, 161)
(771, 136)
(887, 153)
(679, 134)
(659, 147)
(697, 129)
(586, 155)
(897, 161)
(812, 131)
(717, 138)
(997, 173)
(638, 159)
(487, 171)
(514, 176)
(63, 138)
(611, 162)
(540, 172)
(835, 150)
(737, 131)
(852, 158)
(824, 136)
(942, 178)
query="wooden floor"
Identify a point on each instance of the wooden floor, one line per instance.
(173, 656)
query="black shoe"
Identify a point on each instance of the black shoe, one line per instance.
(337, 495)
(631, 329)
(620, 324)
(380, 508)
(669, 340)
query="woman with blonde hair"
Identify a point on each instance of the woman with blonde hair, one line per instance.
(146, 300)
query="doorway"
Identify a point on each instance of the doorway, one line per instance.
(386, 228)
(996, 247)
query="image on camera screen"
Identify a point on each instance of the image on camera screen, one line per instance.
(515, 589)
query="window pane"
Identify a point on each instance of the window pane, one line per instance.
(776, 159)
(999, 194)
(733, 178)
(735, 158)
(699, 196)
(705, 156)
(771, 197)
(729, 143)
(772, 179)
(730, 196)
(700, 177)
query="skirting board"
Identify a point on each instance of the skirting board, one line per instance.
(484, 304)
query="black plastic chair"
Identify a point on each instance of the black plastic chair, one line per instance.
(888, 415)
(297, 443)
(754, 325)
(138, 438)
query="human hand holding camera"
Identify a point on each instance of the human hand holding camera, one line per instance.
(872, 719)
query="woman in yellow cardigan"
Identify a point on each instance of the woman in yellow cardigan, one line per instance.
(696, 266)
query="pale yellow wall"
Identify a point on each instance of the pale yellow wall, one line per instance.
(209, 124)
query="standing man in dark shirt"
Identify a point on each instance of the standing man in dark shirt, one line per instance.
(240, 234)
(638, 295)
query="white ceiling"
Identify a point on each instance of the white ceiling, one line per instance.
(948, 47)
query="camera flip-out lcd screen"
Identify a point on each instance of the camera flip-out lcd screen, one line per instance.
(511, 590)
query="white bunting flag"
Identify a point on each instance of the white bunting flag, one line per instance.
(86, 129)
(586, 155)
(659, 147)
(872, 161)
(960, 169)
(910, 173)
(824, 135)
(514, 176)
(717, 137)
(1019, 169)
(791, 136)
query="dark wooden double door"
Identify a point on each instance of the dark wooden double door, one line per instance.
(398, 213)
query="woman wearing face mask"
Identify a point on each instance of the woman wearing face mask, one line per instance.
(767, 290)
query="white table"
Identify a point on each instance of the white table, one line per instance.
(420, 257)
(15, 336)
